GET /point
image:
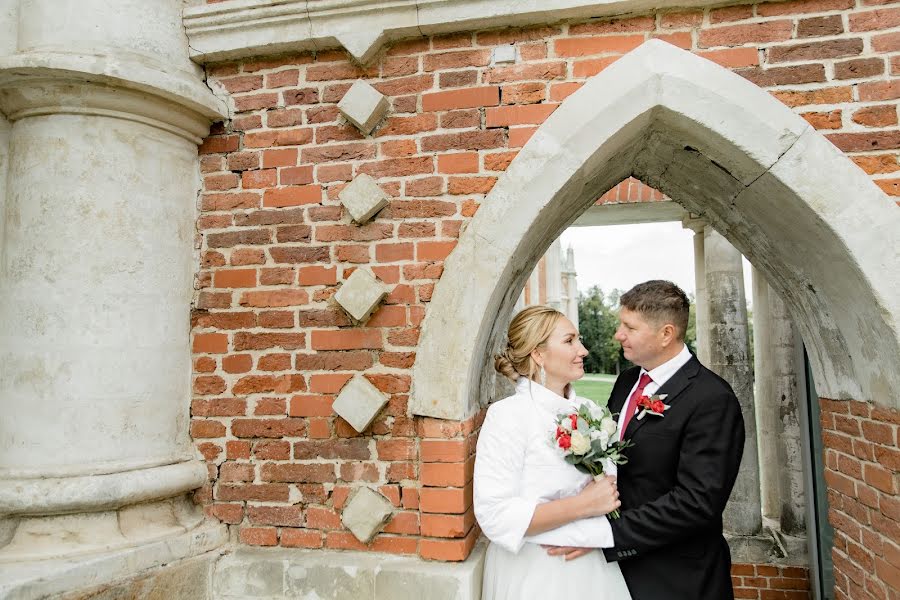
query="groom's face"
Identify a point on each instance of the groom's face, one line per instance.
(642, 340)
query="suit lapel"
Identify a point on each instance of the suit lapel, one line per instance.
(672, 388)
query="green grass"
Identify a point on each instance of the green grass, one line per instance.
(594, 389)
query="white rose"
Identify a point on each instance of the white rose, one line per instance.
(608, 426)
(604, 440)
(580, 443)
(596, 410)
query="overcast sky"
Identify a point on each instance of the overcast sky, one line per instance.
(620, 256)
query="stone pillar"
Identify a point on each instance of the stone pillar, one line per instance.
(701, 304)
(570, 275)
(729, 356)
(554, 275)
(105, 114)
(534, 285)
(778, 388)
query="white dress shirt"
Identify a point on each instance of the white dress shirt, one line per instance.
(518, 466)
(659, 376)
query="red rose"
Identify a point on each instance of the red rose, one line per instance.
(565, 441)
(657, 406)
(644, 402)
(574, 419)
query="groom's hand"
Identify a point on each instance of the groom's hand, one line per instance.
(570, 552)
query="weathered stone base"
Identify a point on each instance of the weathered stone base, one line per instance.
(326, 575)
(173, 568)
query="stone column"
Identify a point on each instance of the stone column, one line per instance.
(778, 388)
(701, 305)
(105, 113)
(569, 273)
(554, 275)
(729, 356)
(534, 286)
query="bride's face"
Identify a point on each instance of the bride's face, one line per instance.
(563, 355)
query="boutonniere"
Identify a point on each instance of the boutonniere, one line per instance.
(652, 405)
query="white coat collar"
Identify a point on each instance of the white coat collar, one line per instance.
(546, 399)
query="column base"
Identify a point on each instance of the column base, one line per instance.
(116, 574)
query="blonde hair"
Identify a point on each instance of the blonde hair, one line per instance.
(530, 329)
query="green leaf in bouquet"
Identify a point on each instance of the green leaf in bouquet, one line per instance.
(571, 459)
(582, 425)
(596, 447)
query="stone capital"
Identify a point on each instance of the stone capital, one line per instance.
(694, 222)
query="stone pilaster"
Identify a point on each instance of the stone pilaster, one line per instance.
(778, 384)
(729, 356)
(571, 308)
(701, 303)
(105, 112)
(553, 275)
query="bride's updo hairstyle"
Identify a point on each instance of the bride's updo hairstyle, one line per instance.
(528, 330)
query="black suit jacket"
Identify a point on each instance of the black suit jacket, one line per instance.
(673, 489)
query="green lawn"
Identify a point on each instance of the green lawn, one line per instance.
(595, 388)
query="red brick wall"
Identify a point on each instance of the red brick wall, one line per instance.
(770, 582)
(271, 349)
(862, 461)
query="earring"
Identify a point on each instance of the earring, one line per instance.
(543, 376)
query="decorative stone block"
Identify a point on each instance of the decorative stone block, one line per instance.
(359, 402)
(363, 198)
(366, 514)
(363, 106)
(360, 295)
(503, 55)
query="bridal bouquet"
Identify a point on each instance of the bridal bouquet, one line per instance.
(590, 442)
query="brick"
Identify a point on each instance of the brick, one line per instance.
(246, 83)
(449, 550)
(461, 162)
(207, 429)
(861, 142)
(445, 451)
(275, 298)
(809, 73)
(626, 25)
(293, 196)
(679, 39)
(338, 152)
(231, 472)
(824, 120)
(877, 163)
(259, 536)
(277, 276)
(751, 33)
(619, 44)
(346, 339)
(434, 250)
(730, 13)
(452, 40)
(219, 144)
(220, 182)
(213, 343)
(247, 256)
(298, 473)
(218, 407)
(265, 492)
(272, 450)
(268, 428)
(527, 72)
(465, 98)
(523, 93)
(457, 60)
(733, 58)
(876, 116)
(395, 449)
(208, 385)
(300, 255)
(227, 513)
(398, 167)
(265, 341)
(833, 95)
(773, 9)
(461, 119)
(454, 79)
(317, 275)
(273, 362)
(444, 474)
(234, 278)
(470, 185)
(858, 68)
(447, 526)
(279, 137)
(299, 176)
(820, 26)
(873, 20)
(879, 90)
(504, 116)
(839, 48)
(519, 136)
(470, 140)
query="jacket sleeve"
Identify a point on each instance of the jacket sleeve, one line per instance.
(502, 513)
(709, 459)
(584, 533)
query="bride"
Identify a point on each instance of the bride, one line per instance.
(526, 495)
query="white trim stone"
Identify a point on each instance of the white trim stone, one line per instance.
(363, 105)
(366, 513)
(242, 28)
(361, 294)
(724, 149)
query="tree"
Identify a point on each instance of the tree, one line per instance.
(598, 318)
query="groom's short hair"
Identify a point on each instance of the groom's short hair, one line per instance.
(661, 302)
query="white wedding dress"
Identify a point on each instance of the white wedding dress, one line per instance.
(517, 468)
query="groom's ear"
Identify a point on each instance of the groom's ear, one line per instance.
(669, 333)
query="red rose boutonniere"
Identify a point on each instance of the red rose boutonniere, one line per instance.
(652, 405)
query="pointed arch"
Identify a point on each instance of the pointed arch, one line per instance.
(819, 229)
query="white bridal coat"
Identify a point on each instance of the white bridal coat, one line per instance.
(518, 467)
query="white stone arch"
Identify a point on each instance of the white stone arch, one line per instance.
(821, 231)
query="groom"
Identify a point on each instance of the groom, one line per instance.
(683, 463)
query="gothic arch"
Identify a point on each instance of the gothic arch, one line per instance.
(820, 230)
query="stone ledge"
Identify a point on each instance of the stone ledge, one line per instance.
(237, 29)
(280, 573)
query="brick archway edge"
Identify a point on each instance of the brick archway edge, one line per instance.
(800, 210)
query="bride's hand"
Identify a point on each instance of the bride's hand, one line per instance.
(600, 497)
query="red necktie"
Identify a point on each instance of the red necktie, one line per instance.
(633, 400)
